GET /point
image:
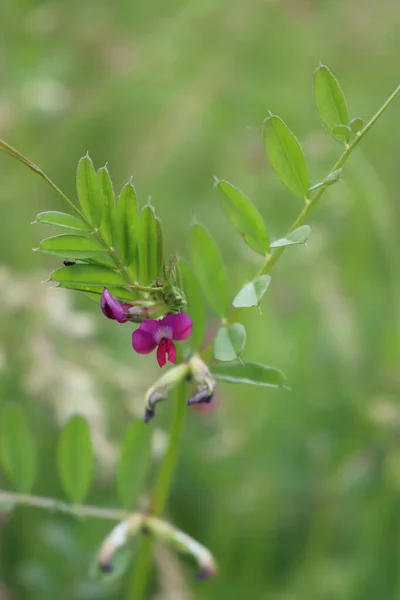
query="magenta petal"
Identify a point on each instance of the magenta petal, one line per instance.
(162, 352)
(171, 350)
(181, 325)
(142, 341)
(114, 308)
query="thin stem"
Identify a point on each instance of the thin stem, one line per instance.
(140, 574)
(77, 510)
(310, 204)
(13, 152)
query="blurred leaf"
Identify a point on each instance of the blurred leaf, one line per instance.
(252, 292)
(107, 192)
(244, 217)
(229, 342)
(330, 100)
(160, 246)
(209, 269)
(126, 227)
(148, 246)
(341, 132)
(195, 306)
(75, 458)
(72, 246)
(329, 180)
(119, 292)
(53, 217)
(252, 373)
(286, 156)
(89, 192)
(89, 275)
(356, 124)
(134, 464)
(298, 236)
(18, 448)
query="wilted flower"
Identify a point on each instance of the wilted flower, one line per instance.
(159, 391)
(205, 383)
(114, 308)
(154, 334)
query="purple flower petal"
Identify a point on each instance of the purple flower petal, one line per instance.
(114, 308)
(181, 325)
(143, 341)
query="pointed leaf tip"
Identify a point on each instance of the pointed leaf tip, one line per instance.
(285, 156)
(330, 101)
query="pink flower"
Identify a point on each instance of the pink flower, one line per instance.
(114, 308)
(152, 334)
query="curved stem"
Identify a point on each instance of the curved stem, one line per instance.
(141, 569)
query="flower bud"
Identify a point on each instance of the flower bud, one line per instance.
(205, 383)
(160, 390)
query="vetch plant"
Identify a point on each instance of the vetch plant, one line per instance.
(113, 253)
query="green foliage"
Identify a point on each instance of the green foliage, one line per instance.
(330, 179)
(134, 464)
(17, 448)
(149, 240)
(195, 306)
(356, 124)
(286, 156)
(107, 192)
(209, 269)
(88, 275)
(297, 236)
(60, 219)
(126, 227)
(89, 193)
(72, 246)
(250, 373)
(244, 217)
(331, 103)
(229, 342)
(251, 293)
(75, 459)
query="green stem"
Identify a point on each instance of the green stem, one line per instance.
(310, 204)
(141, 568)
(77, 510)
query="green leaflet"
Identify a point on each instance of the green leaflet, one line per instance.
(285, 155)
(195, 306)
(209, 269)
(244, 217)
(75, 458)
(251, 373)
(17, 448)
(229, 342)
(330, 101)
(89, 193)
(252, 293)
(60, 219)
(72, 246)
(134, 464)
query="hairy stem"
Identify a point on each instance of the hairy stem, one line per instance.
(141, 568)
(77, 510)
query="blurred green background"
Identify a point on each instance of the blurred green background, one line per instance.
(296, 493)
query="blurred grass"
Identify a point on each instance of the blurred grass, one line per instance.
(296, 493)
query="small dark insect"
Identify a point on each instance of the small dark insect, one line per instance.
(69, 263)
